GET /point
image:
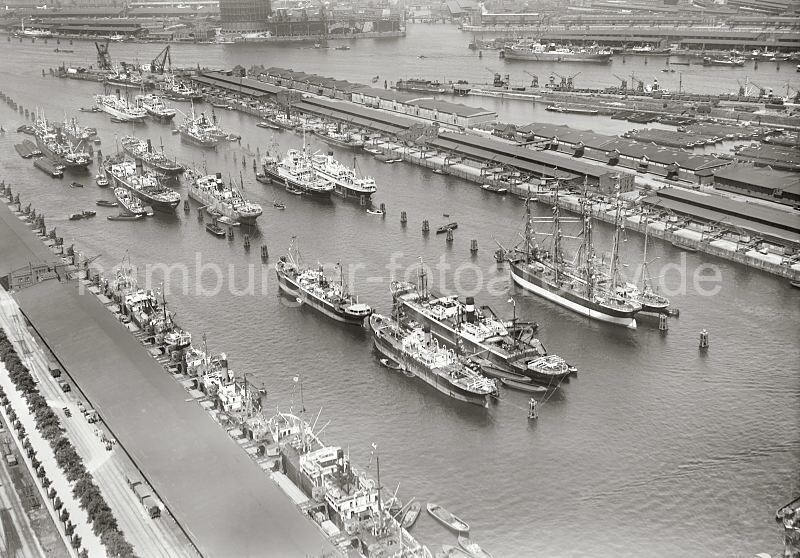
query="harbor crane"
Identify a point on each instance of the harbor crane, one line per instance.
(499, 80)
(567, 82)
(103, 57)
(534, 79)
(160, 61)
(623, 82)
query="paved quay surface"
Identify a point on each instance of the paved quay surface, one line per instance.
(150, 537)
(222, 500)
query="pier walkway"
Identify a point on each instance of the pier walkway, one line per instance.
(223, 501)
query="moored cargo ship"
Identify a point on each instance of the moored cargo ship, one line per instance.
(155, 160)
(131, 176)
(509, 346)
(221, 198)
(419, 354)
(312, 287)
(119, 108)
(56, 146)
(537, 52)
(345, 181)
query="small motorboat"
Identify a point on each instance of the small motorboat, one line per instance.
(76, 185)
(86, 214)
(268, 124)
(448, 227)
(343, 47)
(390, 364)
(106, 203)
(471, 548)
(278, 205)
(136, 217)
(449, 551)
(447, 519)
(215, 229)
(795, 284)
(101, 180)
(75, 216)
(522, 386)
(375, 211)
(494, 189)
(439, 171)
(294, 191)
(410, 515)
(220, 105)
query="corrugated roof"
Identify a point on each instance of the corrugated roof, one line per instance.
(755, 212)
(247, 86)
(451, 108)
(761, 176)
(226, 504)
(390, 94)
(713, 216)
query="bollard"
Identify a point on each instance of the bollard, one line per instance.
(186, 206)
(425, 227)
(499, 255)
(704, 339)
(230, 233)
(200, 215)
(663, 323)
(473, 246)
(247, 242)
(532, 411)
(403, 218)
(449, 238)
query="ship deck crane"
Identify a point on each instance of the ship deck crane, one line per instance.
(160, 61)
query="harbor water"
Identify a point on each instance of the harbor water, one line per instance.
(656, 448)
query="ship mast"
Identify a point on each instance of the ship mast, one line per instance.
(615, 247)
(528, 226)
(557, 257)
(587, 248)
(422, 281)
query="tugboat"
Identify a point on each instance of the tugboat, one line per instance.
(215, 229)
(155, 160)
(419, 355)
(130, 205)
(311, 286)
(345, 181)
(145, 186)
(224, 199)
(156, 108)
(580, 287)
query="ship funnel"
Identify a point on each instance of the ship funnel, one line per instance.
(139, 169)
(219, 176)
(469, 308)
(149, 146)
(427, 334)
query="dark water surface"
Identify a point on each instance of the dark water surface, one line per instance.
(655, 449)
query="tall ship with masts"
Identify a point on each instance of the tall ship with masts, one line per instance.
(152, 159)
(222, 198)
(419, 354)
(581, 286)
(478, 333)
(311, 286)
(131, 176)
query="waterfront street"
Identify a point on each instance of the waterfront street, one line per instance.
(150, 537)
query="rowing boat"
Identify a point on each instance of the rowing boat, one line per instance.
(471, 548)
(447, 519)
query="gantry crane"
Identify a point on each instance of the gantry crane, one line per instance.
(160, 61)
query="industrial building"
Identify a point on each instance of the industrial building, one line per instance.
(760, 182)
(244, 16)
